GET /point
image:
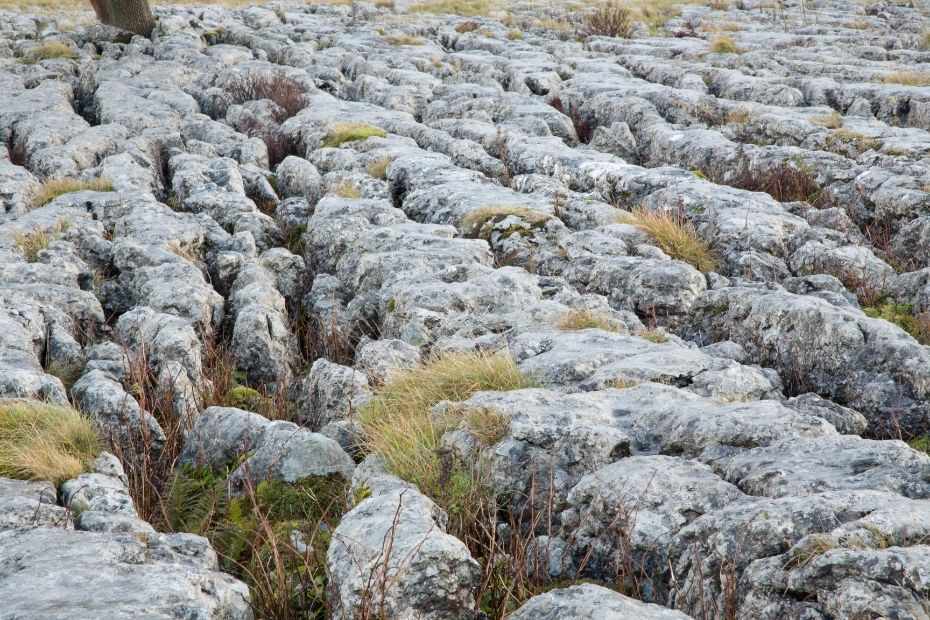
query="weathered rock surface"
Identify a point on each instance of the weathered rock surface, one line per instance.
(308, 200)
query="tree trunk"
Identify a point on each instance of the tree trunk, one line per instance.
(132, 15)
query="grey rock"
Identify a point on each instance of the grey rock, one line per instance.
(588, 601)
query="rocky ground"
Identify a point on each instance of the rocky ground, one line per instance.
(226, 244)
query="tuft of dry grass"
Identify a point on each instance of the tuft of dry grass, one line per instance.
(738, 116)
(514, 34)
(466, 8)
(478, 223)
(487, 425)
(50, 190)
(347, 189)
(340, 133)
(622, 383)
(833, 120)
(653, 335)
(858, 141)
(32, 242)
(588, 319)
(399, 426)
(610, 20)
(378, 168)
(675, 235)
(907, 78)
(39, 441)
(723, 44)
(49, 50)
(403, 39)
(466, 26)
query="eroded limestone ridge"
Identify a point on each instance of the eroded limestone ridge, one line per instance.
(527, 310)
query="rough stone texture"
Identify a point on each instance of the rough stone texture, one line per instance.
(756, 407)
(589, 601)
(427, 572)
(110, 562)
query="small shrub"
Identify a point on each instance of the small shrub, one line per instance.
(347, 189)
(378, 168)
(833, 120)
(39, 441)
(514, 35)
(675, 235)
(610, 20)
(587, 319)
(479, 222)
(49, 50)
(341, 133)
(723, 44)
(403, 39)
(277, 87)
(466, 8)
(924, 42)
(50, 190)
(902, 315)
(907, 78)
(786, 181)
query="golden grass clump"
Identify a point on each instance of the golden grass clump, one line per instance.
(907, 78)
(466, 26)
(39, 441)
(476, 223)
(378, 168)
(723, 44)
(347, 189)
(50, 190)
(467, 8)
(32, 242)
(588, 319)
(403, 39)
(340, 133)
(674, 235)
(398, 424)
(656, 336)
(833, 120)
(739, 116)
(514, 35)
(49, 50)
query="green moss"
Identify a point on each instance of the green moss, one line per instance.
(921, 444)
(903, 316)
(250, 399)
(253, 533)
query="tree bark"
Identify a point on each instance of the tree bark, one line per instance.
(132, 15)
